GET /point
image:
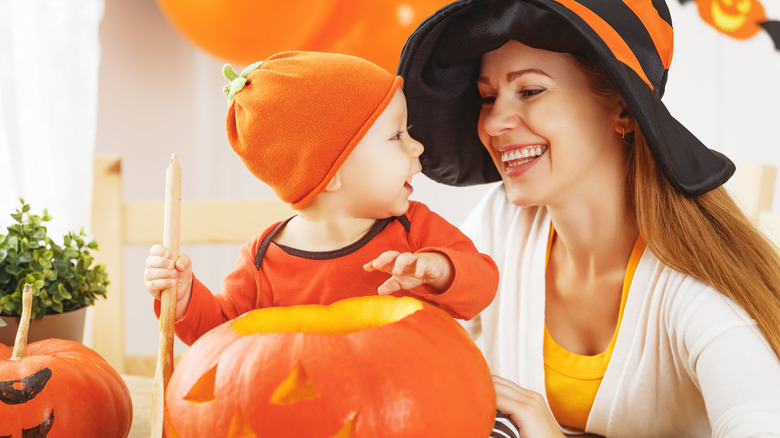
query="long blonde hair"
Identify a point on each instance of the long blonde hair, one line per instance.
(708, 237)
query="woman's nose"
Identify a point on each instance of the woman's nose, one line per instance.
(499, 117)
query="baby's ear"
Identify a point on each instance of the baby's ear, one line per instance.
(334, 183)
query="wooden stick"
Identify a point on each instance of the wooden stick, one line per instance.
(164, 369)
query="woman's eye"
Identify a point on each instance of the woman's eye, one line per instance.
(530, 92)
(487, 100)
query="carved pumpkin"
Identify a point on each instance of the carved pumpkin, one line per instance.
(737, 18)
(58, 388)
(377, 366)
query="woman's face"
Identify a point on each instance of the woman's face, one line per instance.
(550, 137)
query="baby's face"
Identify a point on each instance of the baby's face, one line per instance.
(377, 174)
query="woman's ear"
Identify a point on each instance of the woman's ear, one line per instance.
(334, 183)
(625, 121)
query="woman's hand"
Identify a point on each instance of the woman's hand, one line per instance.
(161, 273)
(526, 409)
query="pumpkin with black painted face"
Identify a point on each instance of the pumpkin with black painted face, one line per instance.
(375, 366)
(737, 18)
(57, 388)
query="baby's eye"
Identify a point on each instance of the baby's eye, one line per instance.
(400, 134)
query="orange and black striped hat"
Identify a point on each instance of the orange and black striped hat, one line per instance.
(632, 39)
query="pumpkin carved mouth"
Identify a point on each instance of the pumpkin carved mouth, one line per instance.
(362, 367)
(39, 431)
(339, 319)
(729, 22)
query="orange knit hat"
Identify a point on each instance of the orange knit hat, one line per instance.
(295, 117)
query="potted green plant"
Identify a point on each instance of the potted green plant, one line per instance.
(62, 276)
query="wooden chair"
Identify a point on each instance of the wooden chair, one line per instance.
(117, 223)
(754, 188)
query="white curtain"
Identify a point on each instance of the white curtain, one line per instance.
(49, 57)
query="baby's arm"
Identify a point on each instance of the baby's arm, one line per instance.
(160, 274)
(409, 270)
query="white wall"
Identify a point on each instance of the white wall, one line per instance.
(159, 95)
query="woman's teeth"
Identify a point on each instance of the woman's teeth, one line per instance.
(521, 156)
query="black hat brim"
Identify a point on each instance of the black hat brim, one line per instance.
(440, 63)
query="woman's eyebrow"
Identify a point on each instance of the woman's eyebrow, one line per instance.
(511, 76)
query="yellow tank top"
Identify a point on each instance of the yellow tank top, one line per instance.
(571, 379)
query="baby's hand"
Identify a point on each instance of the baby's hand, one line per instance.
(160, 274)
(410, 270)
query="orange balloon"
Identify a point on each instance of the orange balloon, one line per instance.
(376, 30)
(245, 31)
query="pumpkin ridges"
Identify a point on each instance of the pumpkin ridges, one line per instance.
(89, 391)
(422, 370)
(83, 397)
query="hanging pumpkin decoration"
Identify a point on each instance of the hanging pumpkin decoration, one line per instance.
(737, 18)
(246, 31)
(376, 366)
(740, 19)
(57, 388)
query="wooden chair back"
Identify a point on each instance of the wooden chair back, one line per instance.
(117, 223)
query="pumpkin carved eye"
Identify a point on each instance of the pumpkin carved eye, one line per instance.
(203, 390)
(361, 367)
(14, 392)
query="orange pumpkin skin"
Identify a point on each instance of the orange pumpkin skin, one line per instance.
(420, 376)
(737, 18)
(83, 396)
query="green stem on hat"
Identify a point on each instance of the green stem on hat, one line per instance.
(237, 81)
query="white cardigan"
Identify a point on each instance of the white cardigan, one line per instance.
(687, 361)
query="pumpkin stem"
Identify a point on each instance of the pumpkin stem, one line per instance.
(20, 344)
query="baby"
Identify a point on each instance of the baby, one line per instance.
(329, 134)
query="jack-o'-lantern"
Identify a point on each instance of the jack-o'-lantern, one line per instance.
(57, 388)
(377, 366)
(737, 18)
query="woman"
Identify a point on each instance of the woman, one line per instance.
(635, 298)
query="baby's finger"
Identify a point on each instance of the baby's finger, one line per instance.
(382, 262)
(159, 250)
(389, 286)
(158, 273)
(159, 262)
(421, 267)
(158, 285)
(183, 262)
(404, 261)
